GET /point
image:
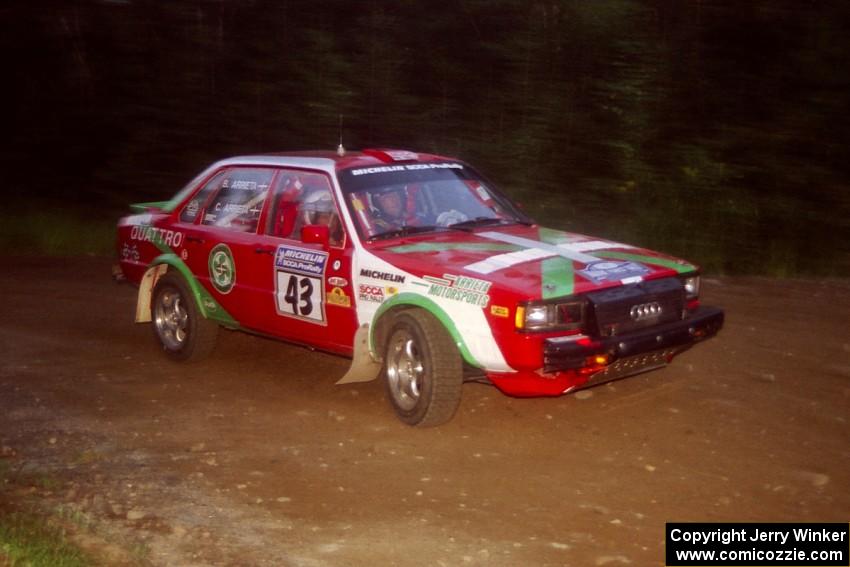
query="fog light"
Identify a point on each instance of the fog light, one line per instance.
(597, 360)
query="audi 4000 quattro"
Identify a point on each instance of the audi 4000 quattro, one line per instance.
(412, 265)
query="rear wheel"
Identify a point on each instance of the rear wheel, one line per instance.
(423, 369)
(179, 327)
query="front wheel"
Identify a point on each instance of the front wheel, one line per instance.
(423, 369)
(179, 327)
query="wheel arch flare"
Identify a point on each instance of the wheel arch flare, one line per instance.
(207, 305)
(474, 352)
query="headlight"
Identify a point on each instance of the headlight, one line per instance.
(559, 315)
(536, 316)
(691, 284)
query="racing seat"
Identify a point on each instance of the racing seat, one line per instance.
(284, 220)
(285, 212)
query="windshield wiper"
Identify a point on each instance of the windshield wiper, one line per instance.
(404, 231)
(470, 224)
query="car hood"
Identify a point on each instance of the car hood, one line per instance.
(531, 261)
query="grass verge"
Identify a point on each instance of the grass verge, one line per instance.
(30, 538)
(56, 232)
(37, 531)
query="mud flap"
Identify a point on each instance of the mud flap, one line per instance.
(363, 367)
(143, 303)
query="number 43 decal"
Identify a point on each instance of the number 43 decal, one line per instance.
(300, 296)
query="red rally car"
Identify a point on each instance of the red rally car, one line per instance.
(411, 264)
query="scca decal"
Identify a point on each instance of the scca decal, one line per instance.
(371, 293)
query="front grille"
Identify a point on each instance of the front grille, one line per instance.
(637, 306)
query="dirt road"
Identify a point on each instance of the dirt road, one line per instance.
(255, 457)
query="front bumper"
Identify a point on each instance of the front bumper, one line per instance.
(567, 353)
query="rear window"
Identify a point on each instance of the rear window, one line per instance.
(196, 203)
(239, 201)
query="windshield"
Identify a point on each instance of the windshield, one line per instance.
(396, 200)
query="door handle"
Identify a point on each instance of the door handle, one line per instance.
(264, 250)
(196, 239)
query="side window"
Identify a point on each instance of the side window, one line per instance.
(239, 201)
(300, 199)
(196, 203)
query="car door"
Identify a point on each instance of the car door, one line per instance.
(221, 239)
(305, 287)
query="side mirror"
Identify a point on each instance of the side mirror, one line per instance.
(316, 234)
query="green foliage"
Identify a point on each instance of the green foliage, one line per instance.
(717, 131)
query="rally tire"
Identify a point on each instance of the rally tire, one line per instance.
(178, 325)
(423, 371)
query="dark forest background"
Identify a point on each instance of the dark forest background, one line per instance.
(713, 130)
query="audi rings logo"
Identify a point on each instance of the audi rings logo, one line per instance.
(645, 311)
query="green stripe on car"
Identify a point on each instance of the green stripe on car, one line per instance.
(430, 306)
(557, 278)
(210, 308)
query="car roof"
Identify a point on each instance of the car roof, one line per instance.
(330, 160)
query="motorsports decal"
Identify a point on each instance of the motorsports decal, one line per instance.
(460, 288)
(299, 283)
(222, 268)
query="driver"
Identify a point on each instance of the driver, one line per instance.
(389, 209)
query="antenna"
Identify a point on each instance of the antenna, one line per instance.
(340, 149)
